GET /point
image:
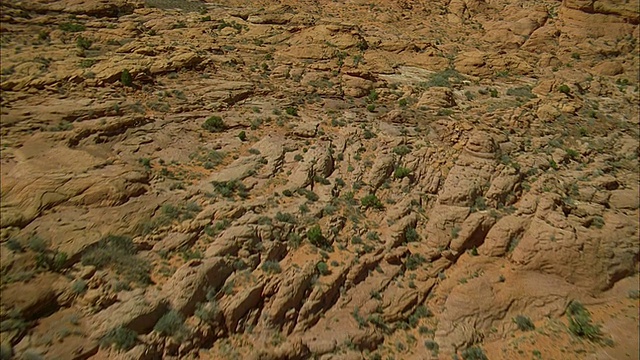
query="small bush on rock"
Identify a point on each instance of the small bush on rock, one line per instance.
(214, 124)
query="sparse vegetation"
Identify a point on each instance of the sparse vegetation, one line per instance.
(371, 201)
(121, 338)
(524, 323)
(580, 322)
(323, 268)
(171, 324)
(118, 253)
(474, 353)
(71, 27)
(271, 267)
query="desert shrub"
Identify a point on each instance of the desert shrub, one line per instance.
(524, 323)
(37, 244)
(229, 188)
(323, 268)
(401, 172)
(474, 353)
(401, 150)
(79, 286)
(580, 322)
(171, 324)
(14, 245)
(207, 311)
(362, 322)
(271, 267)
(190, 6)
(455, 232)
(413, 261)
(316, 238)
(371, 201)
(378, 321)
(368, 134)
(411, 235)
(431, 345)
(479, 204)
(286, 217)
(6, 352)
(564, 89)
(119, 254)
(71, 27)
(121, 338)
(83, 43)
(294, 240)
(522, 92)
(444, 78)
(214, 124)
(291, 111)
(125, 78)
(310, 195)
(242, 136)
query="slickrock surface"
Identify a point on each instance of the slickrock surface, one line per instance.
(327, 179)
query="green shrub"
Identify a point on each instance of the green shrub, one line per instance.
(229, 188)
(214, 124)
(455, 231)
(271, 267)
(119, 254)
(170, 324)
(580, 322)
(292, 111)
(286, 217)
(207, 311)
(401, 172)
(310, 195)
(401, 150)
(242, 136)
(6, 352)
(564, 89)
(432, 345)
(362, 322)
(524, 323)
(71, 27)
(79, 286)
(474, 353)
(443, 79)
(411, 235)
(413, 261)
(294, 240)
(37, 244)
(125, 78)
(371, 201)
(14, 245)
(371, 108)
(316, 238)
(121, 338)
(323, 268)
(83, 43)
(522, 92)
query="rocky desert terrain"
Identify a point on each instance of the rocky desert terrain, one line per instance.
(319, 179)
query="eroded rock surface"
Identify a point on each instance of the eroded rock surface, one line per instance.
(318, 179)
